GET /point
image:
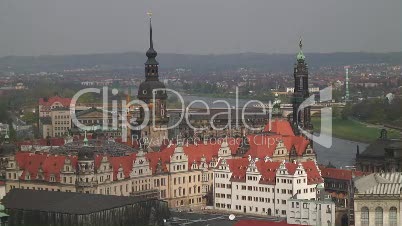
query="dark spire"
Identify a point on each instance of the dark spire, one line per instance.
(151, 53)
(151, 43)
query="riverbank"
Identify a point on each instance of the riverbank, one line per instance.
(353, 130)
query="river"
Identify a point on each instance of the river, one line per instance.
(342, 152)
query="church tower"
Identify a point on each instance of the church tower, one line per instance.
(301, 118)
(153, 135)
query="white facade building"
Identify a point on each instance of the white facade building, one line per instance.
(263, 187)
(312, 212)
(311, 89)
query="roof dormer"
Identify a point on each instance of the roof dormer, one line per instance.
(282, 170)
(224, 151)
(252, 168)
(300, 169)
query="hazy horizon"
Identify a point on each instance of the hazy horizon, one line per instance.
(194, 54)
(56, 27)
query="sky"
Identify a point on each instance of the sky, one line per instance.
(57, 27)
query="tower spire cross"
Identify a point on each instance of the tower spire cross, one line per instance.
(300, 43)
(149, 13)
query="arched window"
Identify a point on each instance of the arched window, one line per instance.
(292, 214)
(364, 220)
(329, 223)
(378, 216)
(393, 216)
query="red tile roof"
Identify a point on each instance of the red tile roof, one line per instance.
(194, 152)
(263, 145)
(54, 141)
(238, 167)
(49, 164)
(51, 100)
(280, 127)
(268, 169)
(31, 163)
(340, 174)
(126, 162)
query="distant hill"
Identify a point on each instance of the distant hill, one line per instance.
(198, 63)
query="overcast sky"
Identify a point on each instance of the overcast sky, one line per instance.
(37, 27)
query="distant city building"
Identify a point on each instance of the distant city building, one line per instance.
(20, 86)
(226, 122)
(311, 89)
(50, 110)
(378, 199)
(46, 127)
(47, 104)
(94, 118)
(2, 192)
(61, 121)
(87, 83)
(4, 128)
(7, 150)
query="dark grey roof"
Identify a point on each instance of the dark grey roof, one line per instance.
(107, 147)
(64, 202)
(84, 112)
(148, 86)
(377, 149)
(250, 113)
(7, 149)
(61, 109)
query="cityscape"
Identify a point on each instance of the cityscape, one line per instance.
(247, 137)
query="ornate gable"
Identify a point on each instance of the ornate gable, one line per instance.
(178, 160)
(280, 149)
(141, 166)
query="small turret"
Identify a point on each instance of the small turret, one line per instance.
(86, 142)
(300, 56)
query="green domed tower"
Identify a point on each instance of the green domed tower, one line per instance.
(301, 92)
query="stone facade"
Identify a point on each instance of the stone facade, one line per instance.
(378, 200)
(311, 212)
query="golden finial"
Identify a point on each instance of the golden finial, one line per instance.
(149, 13)
(300, 43)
